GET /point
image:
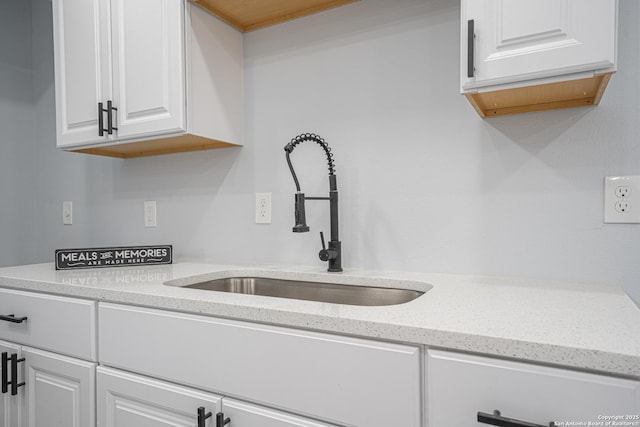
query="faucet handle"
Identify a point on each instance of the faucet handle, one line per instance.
(326, 254)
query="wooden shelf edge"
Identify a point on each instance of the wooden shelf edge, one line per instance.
(241, 22)
(549, 96)
(298, 14)
(176, 144)
(585, 102)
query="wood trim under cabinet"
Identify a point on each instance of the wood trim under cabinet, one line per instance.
(250, 15)
(176, 144)
(549, 96)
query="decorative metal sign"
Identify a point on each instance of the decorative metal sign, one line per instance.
(126, 256)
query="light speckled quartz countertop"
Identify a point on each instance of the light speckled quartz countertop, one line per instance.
(593, 327)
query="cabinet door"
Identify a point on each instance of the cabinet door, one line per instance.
(82, 68)
(459, 386)
(59, 390)
(342, 380)
(148, 59)
(10, 406)
(127, 400)
(245, 415)
(527, 39)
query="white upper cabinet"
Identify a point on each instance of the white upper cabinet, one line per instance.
(529, 39)
(511, 44)
(83, 68)
(148, 79)
(144, 77)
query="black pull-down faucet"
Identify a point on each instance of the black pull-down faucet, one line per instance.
(334, 253)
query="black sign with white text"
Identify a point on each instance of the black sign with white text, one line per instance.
(126, 256)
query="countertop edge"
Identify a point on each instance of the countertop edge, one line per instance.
(598, 361)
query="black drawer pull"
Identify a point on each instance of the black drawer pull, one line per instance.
(221, 421)
(5, 372)
(12, 318)
(14, 374)
(202, 417)
(496, 419)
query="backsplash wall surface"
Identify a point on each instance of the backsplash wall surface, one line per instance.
(18, 178)
(425, 184)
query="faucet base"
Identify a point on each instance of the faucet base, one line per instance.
(335, 264)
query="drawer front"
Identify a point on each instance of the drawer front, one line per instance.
(349, 381)
(245, 415)
(459, 386)
(59, 324)
(127, 400)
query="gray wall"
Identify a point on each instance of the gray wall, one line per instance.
(17, 148)
(426, 185)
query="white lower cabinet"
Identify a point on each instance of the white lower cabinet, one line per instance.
(128, 400)
(335, 379)
(48, 360)
(59, 391)
(459, 386)
(43, 389)
(161, 368)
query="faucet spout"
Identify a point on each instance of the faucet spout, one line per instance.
(333, 255)
(300, 215)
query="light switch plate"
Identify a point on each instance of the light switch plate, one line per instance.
(150, 218)
(622, 199)
(67, 213)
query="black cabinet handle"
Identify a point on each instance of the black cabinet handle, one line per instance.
(110, 110)
(202, 416)
(101, 110)
(5, 372)
(496, 419)
(14, 374)
(470, 47)
(12, 318)
(221, 421)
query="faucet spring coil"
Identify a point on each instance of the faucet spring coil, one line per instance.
(314, 138)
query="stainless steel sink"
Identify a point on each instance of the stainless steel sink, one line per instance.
(310, 291)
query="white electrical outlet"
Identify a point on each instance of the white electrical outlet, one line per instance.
(150, 219)
(622, 199)
(67, 213)
(263, 208)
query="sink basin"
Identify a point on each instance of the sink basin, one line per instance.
(310, 291)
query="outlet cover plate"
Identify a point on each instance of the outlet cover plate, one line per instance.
(263, 208)
(622, 199)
